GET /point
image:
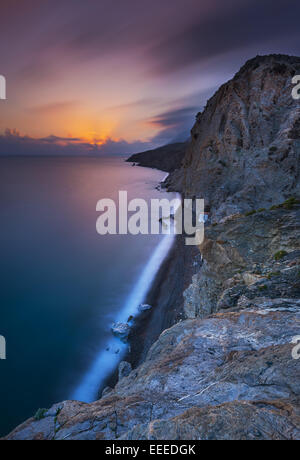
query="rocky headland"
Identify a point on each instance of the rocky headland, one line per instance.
(227, 368)
(167, 158)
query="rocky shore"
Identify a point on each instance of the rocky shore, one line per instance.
(225, 365)
(166, 298)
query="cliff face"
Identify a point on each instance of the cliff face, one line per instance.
(229, 369)
(244, 151)
(240, 261)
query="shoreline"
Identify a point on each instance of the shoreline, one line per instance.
(232, 358)
(166, 298)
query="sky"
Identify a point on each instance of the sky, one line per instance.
(121, 76)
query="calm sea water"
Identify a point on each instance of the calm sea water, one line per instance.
(62, 285)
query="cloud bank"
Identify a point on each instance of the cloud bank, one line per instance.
(13, 143)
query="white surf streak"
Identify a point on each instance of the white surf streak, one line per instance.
(107, 361)
(137, 297)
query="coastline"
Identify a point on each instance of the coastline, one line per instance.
(105, 369)
(234, 357)
(166, 298)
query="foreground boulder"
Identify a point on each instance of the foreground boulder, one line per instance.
(121, 330)
(144, 307)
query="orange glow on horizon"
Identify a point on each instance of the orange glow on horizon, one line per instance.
(90, 131)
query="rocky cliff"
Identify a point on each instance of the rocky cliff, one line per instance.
(244, 150)
(228, 370)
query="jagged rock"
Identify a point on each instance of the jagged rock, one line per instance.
(199, 297)
(124, 369)
(265, 420)
(121, 330)
(232, 253)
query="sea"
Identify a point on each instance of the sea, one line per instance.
(62, 284)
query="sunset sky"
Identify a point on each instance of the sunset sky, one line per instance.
(125, 75)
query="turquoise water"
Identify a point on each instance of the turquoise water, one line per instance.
(62, 284)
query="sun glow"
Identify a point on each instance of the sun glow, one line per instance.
(91, 131)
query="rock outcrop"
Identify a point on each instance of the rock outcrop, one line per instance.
(245, 258)
(121, 330)
(229, 369)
